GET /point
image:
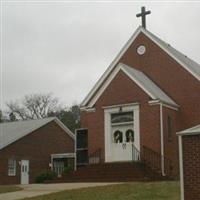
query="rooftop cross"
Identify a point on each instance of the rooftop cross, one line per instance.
(143, 15)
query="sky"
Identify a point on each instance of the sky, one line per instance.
(64, 47)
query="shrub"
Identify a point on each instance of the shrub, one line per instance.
(45, 176)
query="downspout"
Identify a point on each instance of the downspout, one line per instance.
(75, 151)
(162, 141)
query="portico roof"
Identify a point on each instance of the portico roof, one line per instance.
(190, 131)
(138, 77)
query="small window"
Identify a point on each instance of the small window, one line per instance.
(141, 50)
(11, 167)
(169, 128)
(121, 117)
(118, 137)
(129, 135)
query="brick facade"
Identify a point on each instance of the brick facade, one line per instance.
(171, 142)
(116, 94)
(36, 147)
(172, 78)
(191, 166)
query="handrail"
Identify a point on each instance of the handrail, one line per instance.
(135, 153)
(147, 156)
(153, 160)
(95, 157)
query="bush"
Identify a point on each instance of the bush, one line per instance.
(45, 176)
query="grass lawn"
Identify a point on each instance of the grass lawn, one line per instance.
(9, 188)
(128, 191)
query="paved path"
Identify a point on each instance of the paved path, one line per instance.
(40, 189)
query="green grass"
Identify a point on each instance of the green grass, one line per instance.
(9, 188)
(128, 191)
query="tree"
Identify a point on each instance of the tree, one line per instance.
(37, 106)
(34, 106)
(12, 117)
(70, 117)
(1, 116)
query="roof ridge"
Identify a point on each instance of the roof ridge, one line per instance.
(169, 45)
(190, 63)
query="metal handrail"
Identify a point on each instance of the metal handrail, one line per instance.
(147, 156)
(135, 153)
(95, 157)
(153, 160)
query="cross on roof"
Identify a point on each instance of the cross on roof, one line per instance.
(143, 15)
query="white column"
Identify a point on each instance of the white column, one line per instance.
(181, 166)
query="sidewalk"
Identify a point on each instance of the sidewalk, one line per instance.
(33, 190)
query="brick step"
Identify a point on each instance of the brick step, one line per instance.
(105, 175)
(108, 170)
(111, 172)
(100, 171)
(112, 166)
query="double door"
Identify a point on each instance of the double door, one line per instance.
(122, 142)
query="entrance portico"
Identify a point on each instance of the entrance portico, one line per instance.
(121, 124)
(60, 162)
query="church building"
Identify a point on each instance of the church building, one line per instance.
(149, 92)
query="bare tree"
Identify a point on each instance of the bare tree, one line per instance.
(34, 106)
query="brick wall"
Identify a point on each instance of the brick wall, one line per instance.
(191, 167)
(170, 139)
(123, 90)
(172, 78)
(36, 147)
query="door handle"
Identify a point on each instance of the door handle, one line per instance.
(124, 145)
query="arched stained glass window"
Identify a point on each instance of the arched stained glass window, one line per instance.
(118, 136)
(129, 135)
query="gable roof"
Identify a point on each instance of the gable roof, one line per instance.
(190, 131)
(187, 63)
(138, 77)
(190, 65)
(13, 131)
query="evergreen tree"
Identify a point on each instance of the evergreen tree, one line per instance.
(12, 117)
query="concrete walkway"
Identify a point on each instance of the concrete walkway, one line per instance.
(33, 190)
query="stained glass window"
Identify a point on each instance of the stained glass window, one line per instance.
(118, 136)
(121, 117)
(129, 135)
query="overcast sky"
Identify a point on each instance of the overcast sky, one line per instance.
(65, 47)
